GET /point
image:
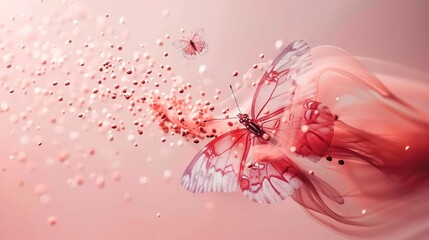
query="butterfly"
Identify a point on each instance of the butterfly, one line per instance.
(284, 123)
(193, 46)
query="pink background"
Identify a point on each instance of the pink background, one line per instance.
(237, 32)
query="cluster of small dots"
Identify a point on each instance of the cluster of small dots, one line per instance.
(98, 81)
(66, 78)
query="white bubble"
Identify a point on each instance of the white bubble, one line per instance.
(74, 135)
(165, 12)
(279, 44)
(143, 180)
(167, 174)
(4, 107)
(202, 69)
(131, 137)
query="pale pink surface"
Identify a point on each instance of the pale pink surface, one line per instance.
(237, 32)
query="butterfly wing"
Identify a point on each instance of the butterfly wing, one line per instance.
(277, 89)
(272, 177)
(185, 47)
(306, 129)
(217, 166)
(283, 105)
(200, 42)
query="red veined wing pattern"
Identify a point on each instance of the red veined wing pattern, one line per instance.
(284, 107)
(277, 89)
(185, 47)
(200, 42)
(272, 177)
(295, 122)
(306, 130)
(217, 166)
(193, 46)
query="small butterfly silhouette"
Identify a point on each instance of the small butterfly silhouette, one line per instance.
(193, 46)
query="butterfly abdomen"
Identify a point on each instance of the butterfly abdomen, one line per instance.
(254, 128)
(193, 45)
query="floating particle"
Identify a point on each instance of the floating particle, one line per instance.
(39, 143)
(127, 197)
(341, 162)
(40, 189)
(116, 176)
(235, 73)
(78, 180)
(4, 107)
(304, 128)
(8, 57)
(158, 214)
(202, 69)
(329, 158)
(261, 55)
(278, 44)
(407, 147)
(99, 181)
(167, 174)
(165, 12)
(131, 137)
(159, 42)
(143, 180)
(363, 211)
(292, 149)
(266, 136)
(122, 20)
(52, 220)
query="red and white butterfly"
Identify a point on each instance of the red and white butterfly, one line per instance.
(284, 123)
(193, 46)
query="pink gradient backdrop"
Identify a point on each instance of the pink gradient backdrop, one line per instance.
(237, 31)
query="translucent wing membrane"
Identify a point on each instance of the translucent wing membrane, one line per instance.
(193, 46)
(200, 42)
(277, 87)
(306, 129)
(271, 177)
(216, 167)
(185, 47)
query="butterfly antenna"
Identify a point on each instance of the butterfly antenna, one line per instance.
(216, 119)
(235, 99)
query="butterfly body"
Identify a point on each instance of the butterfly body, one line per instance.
(251, 125)
(193, 45)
